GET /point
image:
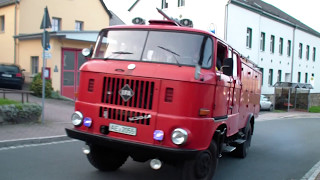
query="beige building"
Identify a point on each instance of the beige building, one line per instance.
(75, 25)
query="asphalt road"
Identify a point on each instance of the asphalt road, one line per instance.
(281, 150)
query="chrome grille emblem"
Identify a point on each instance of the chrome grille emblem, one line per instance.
(126, 92)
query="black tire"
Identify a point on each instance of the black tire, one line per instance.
(105, 159)
(242, 149)
(271, 108)
(203, 166)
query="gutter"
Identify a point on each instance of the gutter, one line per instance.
(15, 33)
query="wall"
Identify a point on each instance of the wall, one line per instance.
(91, 13)
(6, 37)
(33, 47)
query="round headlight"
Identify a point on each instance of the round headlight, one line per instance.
(77, 118)
(179, 136)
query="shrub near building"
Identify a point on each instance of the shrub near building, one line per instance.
(36, 86)
(15, 112)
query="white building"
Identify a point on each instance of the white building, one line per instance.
(284, 48)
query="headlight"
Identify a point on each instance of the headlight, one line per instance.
(77, 118)
(179, 136)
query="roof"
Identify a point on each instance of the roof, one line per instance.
(7, 2)
(115, 20)
(293, 85)
(273, 12)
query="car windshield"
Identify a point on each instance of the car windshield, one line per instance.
(9, 69)
(155, 46)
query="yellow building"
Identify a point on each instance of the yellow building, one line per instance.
(75, 25)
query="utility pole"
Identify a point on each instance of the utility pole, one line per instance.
(45, 44)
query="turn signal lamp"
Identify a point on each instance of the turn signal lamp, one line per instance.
(204, 112)
(18, 75)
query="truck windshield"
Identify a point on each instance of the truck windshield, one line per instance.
(155, 46)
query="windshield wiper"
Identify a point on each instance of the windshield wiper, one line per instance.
(121, 52)
(172, 52)
(117, 53)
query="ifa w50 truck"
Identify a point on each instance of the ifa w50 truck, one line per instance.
(165, 93)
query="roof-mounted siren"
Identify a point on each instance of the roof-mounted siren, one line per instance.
(186, 22)
(138, 20)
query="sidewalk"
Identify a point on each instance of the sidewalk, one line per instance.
(58, 117)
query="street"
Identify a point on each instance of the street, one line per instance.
(280, 150)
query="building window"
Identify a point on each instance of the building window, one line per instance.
(307, 52)
(306, 78)
(289, 48)
(261, 69)
(299, 77)
(34, 64)
(281, 46)
(279, 76)
(272, 44)
(56, 24)
(79, 26)
(1, 23)
(181, 3)
(249, 38)
(270, 77)
(262, 41)
(314, 54)
(164, 4)
(300, 50)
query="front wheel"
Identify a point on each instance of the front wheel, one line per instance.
(203, 166)
(106, 159)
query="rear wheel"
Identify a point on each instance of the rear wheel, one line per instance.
(203, 166)
(242, 149)
(106, 159)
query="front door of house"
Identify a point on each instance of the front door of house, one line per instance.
(72, 59)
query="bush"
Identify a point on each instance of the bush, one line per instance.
(36, 86)
(20, 113)
(314, 109)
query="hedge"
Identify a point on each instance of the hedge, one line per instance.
(20, 113)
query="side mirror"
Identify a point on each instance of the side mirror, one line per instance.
(197, 72)
(227, 67)
(86, 52)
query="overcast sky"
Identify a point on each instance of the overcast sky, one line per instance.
(306, 11)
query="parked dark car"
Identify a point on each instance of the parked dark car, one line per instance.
(11, 76)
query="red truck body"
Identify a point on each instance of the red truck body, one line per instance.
(152, 109)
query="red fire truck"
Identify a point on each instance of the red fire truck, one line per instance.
(165, 93)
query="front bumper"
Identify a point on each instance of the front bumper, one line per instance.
(132, 148)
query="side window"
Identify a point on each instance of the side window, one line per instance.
(235, 64)
(221, 55)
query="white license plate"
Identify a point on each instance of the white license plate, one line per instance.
(123, 129)
(6, 75)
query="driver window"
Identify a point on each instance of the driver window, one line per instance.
(221, 54)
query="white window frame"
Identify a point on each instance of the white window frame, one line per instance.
(262, 41)
(34, 65)
(78, 26)
(56, 24)
(249, 38)
(272, 37)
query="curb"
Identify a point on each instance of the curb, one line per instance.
(313, 173)
(39, 140)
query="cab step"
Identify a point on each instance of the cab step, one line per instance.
(228, 149)
(240, 141)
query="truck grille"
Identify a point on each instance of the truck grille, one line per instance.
(143, 92)
(125, 116)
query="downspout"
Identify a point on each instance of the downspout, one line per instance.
(293, 44)
(226, 22)
(15, 33)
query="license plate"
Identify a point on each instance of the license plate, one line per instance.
(6, 75)
(123, 129)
